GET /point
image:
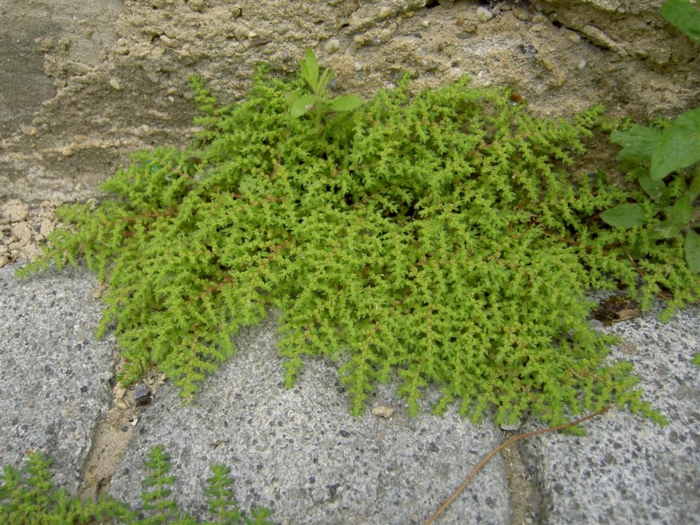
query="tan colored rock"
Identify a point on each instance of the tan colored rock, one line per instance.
(15, 211)
(23, 233)
(110, 75)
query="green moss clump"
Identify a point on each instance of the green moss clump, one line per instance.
(28, 497)
(445, 238)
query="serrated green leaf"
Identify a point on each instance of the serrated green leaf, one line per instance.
(692, 251)
(638, 143)
(346, 103)
(684, 15)
(302, 105)
(679, 146)
(624, 216)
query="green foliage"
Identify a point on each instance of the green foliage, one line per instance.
(27, 497)
(317, 100)
(685, 15)
(678, 146)
(157, 499)
(222, 502)
(651, 154)
(447, 238)
(654, 153)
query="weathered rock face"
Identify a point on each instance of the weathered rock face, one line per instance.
(83, 86)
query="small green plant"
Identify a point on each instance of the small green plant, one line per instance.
(665, 213)
(317, 101)
(447, 238)
(651, 154)
(27, 497)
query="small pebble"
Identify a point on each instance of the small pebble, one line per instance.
(512, 427)
(574, 38)
(382, 411)
(521, 14)
(582, 64)
(15, 211)
(538, 18)
(332, 45)
(384, 12)
(142, 395)
(484, 15)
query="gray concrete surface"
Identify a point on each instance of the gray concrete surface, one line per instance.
(629, 470)
(299, 452)
(54, 375)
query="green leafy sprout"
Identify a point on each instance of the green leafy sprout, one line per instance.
(27, 496)
(318, 101)
(652, 154)
(446, 238)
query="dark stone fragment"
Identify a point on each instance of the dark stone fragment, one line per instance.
(142, 396)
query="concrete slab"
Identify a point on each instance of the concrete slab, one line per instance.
(301, 453)
(54, 375)
(629, 470)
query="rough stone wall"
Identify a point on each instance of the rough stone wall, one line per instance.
(86, 83)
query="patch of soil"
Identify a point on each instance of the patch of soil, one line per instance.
(523, 491)
(112, 435)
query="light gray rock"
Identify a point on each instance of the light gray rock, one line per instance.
(54, 375)
(627, 469)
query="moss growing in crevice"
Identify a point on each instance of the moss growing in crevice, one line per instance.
(441, 238)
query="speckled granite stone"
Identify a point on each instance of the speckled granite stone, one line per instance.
(628, 470)
(54, 375)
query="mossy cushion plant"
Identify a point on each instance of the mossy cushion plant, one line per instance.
(28, 497)
(447, 238)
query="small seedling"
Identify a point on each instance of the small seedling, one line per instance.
(318, 102)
